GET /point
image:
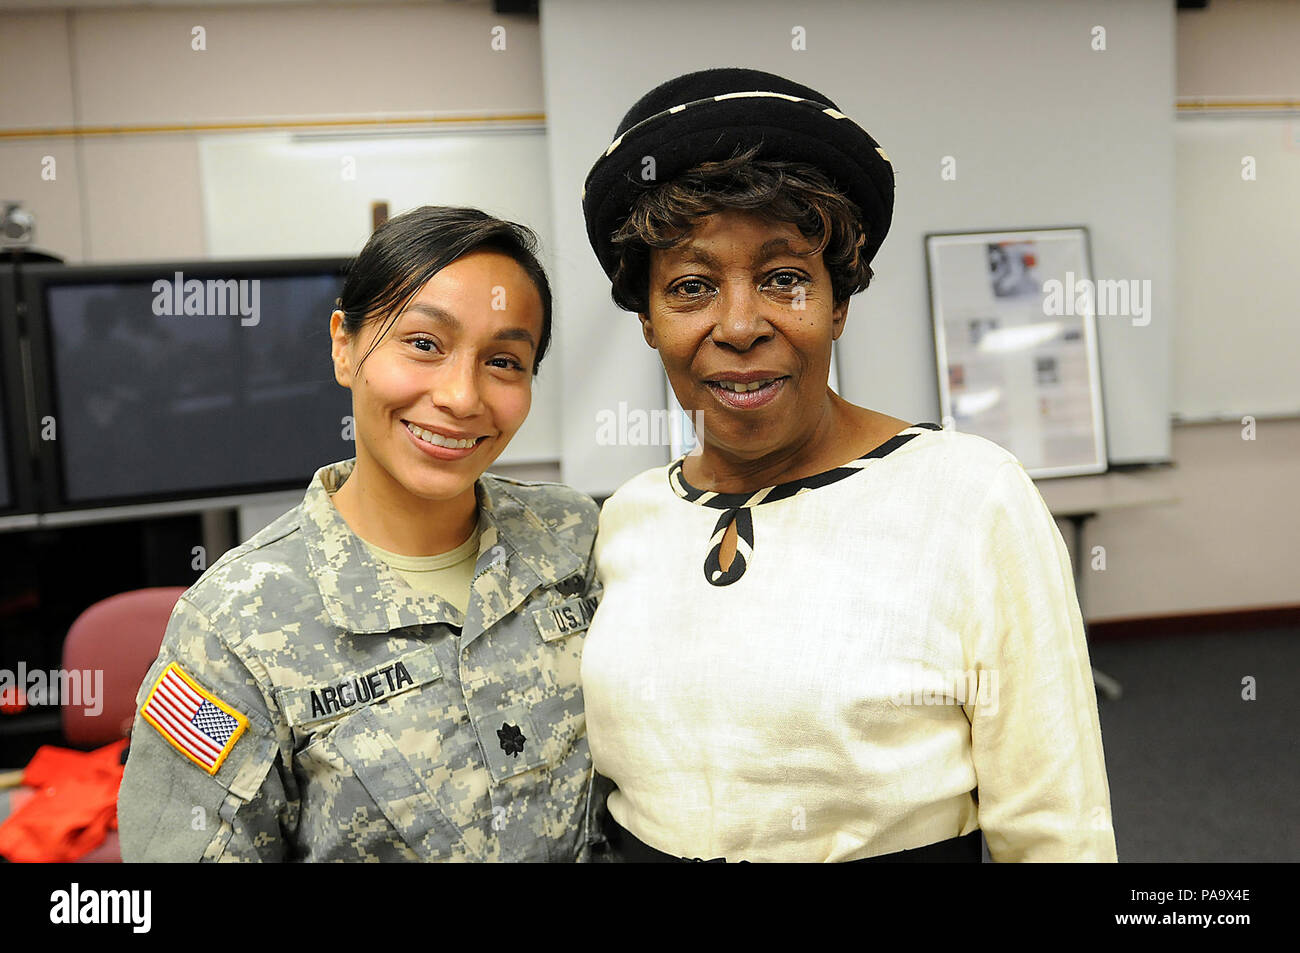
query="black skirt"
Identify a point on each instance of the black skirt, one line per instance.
(627, 847)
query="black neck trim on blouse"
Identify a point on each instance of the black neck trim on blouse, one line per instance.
(783, 491)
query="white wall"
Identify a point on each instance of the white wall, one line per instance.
(1045, 131)
(176, 160)
(1239, 49)
(126, 193)
(1239, 333)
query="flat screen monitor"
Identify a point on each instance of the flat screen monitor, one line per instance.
(186, 380)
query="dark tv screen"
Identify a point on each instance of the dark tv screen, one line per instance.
(156, 404)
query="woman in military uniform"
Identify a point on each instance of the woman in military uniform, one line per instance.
(389, 671)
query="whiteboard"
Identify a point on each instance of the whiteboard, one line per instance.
(282, 195)
(1237, 333)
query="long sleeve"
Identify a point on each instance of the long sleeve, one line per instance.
(173, 808)
(1036, 738)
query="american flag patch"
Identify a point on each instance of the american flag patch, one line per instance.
(197, 723)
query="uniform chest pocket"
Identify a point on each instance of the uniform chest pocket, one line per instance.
(373, 746)
(562, 625)
(390, 780)
(559, 619)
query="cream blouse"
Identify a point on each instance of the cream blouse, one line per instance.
(894, 657)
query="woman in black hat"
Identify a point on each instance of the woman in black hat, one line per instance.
(829, 635)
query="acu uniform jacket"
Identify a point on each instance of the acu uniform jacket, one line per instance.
(308, 705)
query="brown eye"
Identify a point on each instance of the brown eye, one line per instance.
(691, 287)
(796, 280)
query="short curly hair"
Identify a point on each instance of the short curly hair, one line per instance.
(778, 190)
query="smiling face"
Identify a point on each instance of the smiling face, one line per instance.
(744, 327)
(450, 382)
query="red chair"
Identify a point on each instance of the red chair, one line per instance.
(119, 636)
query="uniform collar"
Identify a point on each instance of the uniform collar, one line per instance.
(518, 552)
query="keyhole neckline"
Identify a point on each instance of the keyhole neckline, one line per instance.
(783, 491)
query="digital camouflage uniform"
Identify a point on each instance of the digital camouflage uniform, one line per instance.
(377, 722)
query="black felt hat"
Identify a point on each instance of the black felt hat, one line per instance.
(705, 116)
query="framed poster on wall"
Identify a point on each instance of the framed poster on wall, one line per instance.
(1016, 343)
(681, 428)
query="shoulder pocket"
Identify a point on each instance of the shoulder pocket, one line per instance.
(219, 734)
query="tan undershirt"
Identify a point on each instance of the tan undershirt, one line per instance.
(447, 575)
